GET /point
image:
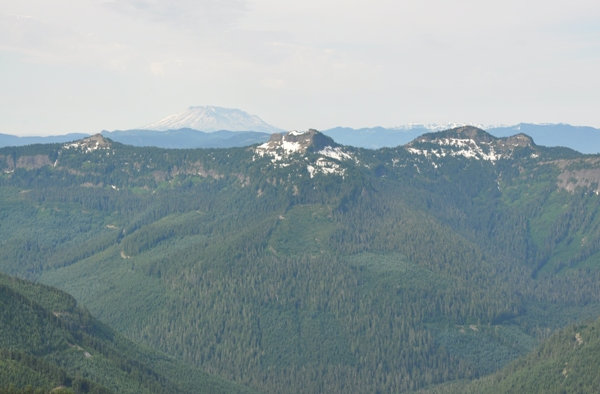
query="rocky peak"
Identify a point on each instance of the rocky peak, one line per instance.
(517, 141)
(470, 142)
(90, 144)
(293, 147)
(464, 132)
(297, 142)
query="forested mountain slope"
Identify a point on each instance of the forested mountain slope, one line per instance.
(304, 266)
(567, 362)
(47, 342)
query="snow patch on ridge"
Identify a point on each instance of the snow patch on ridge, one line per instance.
(335, 153)
(291, 147)
(326, 167)
(296, 132)
(465, 147)
(280, 148)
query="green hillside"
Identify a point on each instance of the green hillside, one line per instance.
(49, 343)
(567, 362)
(304, 266)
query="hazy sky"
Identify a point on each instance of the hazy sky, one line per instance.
(88, 65)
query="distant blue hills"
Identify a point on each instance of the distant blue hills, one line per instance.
(187, 138)
(175, 139)
(580, 138)
(375, 137)
(13, 140)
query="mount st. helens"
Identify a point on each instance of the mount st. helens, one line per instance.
(199, 127)
(302, 265)
(196, 127)
(210, 118)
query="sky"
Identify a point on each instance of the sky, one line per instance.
(92, 65)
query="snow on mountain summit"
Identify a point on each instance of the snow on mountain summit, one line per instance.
(89, 144)
(210, 118)
(284, 149)
(469, 142)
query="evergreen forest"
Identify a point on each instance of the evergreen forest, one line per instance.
(431, 266)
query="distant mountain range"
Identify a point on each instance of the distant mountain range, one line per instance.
(580, 138)
(13, 140)
(218, 127)
(375, 137)
(187, 138)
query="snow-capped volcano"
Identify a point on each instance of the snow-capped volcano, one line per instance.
(210, 118)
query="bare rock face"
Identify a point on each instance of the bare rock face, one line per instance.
(579, 173)
(29, 162)
(33, 162)
(518, 140)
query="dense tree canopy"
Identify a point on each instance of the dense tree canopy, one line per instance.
(390, 270)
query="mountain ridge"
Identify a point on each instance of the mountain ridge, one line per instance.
(582, 139)
(471, 142)
(314, 266)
